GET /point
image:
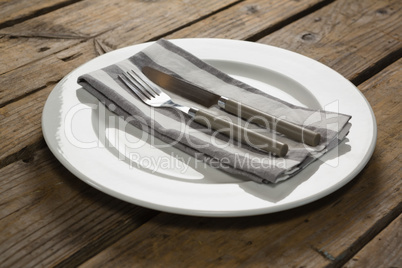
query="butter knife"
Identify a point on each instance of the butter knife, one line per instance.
(206, 98)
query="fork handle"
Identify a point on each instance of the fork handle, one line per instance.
(244, 135)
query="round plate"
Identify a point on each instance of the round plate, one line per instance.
(120, 160)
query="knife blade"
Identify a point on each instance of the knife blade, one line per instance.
(206, 98)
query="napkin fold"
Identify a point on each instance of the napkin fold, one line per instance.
(178, 130)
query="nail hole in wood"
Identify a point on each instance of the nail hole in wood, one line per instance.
(308, 37)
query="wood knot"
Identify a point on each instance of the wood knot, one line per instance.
(252, 9)
(28, 159)
(308, 37)
(43, 49)
(382, 11)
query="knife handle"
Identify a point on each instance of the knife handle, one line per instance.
(289, 129)
(240, 133)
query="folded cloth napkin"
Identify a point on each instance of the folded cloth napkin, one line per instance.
(179, 130)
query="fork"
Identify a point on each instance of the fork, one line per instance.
(152, 95)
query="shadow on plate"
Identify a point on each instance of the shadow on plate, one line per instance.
(178, 165)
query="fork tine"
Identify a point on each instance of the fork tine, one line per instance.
(139, 85)
(132, 86)
(143, 80)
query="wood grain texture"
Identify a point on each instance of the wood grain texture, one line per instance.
(383, 251)
(326, 232)
(12, 12)
(370, 59)
(61, 43)
(42, 73)
(248, 19)
(29, 88)
(26, 37)
(42, 45)
(136, 21)
(346, 34)
(48, 215)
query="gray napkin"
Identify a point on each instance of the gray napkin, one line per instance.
(178, 130)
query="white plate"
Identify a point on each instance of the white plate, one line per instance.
(119, 160)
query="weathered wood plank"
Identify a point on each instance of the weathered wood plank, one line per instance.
(14, 11)
(21, 119)
(248, 19)
(273, 237)
(45, 72)
(48, 215)
(16, 90)
(341, 35)
(345, 34)
(42, 37)
(256, 16)
(54, 67)
(21, 124)
(327, 232)
(58, 30)
(383, 251)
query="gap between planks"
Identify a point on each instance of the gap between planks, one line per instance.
(37, 13)
(194, 21)
(365, 238)
(26, 152)
(377, 67)
(288, 20)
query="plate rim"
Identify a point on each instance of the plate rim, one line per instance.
(184, 211)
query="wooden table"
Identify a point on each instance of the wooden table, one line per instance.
(48, 217)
